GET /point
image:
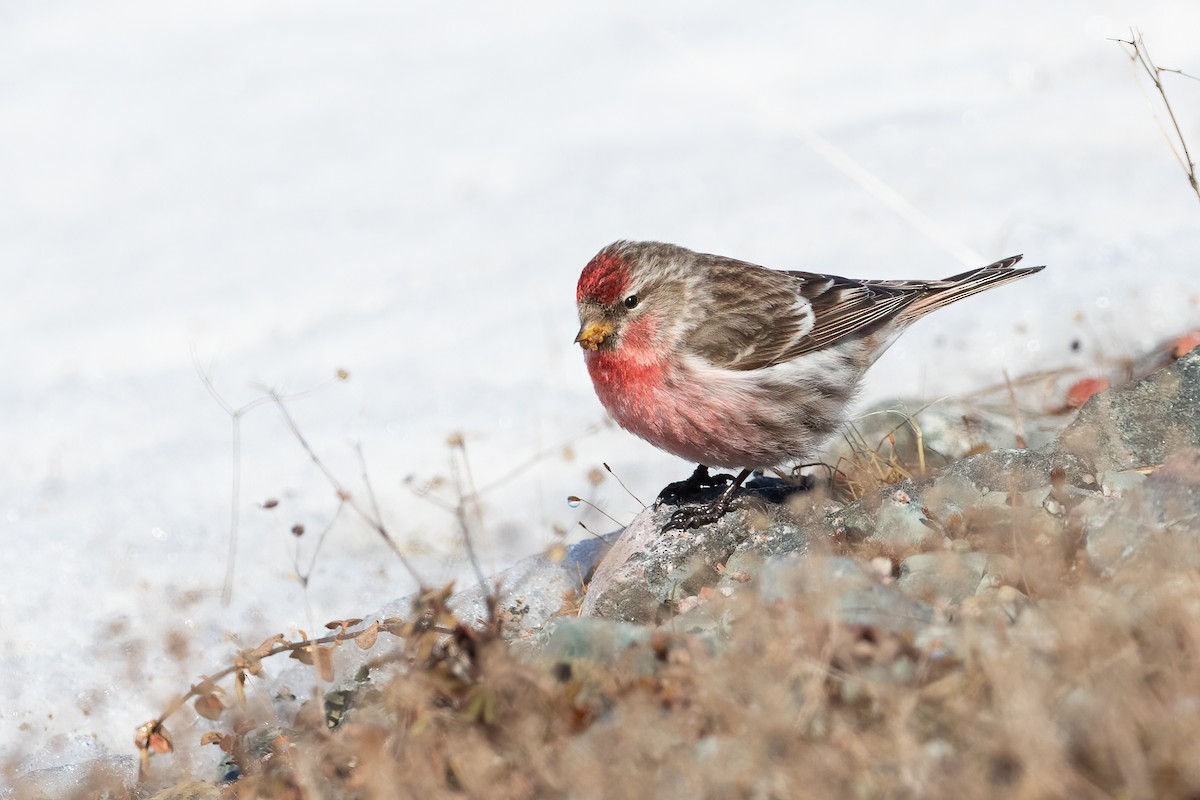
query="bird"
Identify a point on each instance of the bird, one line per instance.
(732, 365)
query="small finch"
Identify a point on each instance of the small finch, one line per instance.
(728, 364)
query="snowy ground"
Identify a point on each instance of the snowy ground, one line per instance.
(408, 192)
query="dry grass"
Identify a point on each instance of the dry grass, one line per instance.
(1090, 691)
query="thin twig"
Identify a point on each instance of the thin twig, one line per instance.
(235, 419)
(1018, 422)
(343, 493)
(623, 486)
(1139, 55)
(468, 503)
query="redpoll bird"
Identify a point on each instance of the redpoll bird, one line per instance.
(729, 364)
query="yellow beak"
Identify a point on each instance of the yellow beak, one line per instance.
(592, 334)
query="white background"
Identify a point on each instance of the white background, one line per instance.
(408, 191)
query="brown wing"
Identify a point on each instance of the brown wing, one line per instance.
(759, 317)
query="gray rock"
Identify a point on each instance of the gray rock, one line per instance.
(860, 520)
(1157, 520)
(648, 571)
(901, 524)
(808, 518)
(949, 430)
(1118, 483)
(1022, 470)
(852, 594)
(602, 641)
(1139, 424)
(531, 591)
(942, 578)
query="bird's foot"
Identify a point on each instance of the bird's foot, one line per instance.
(692, 489)
(698, 516)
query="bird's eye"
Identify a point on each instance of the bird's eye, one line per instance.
(631, 301)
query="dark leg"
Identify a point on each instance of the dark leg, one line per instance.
(698, 516)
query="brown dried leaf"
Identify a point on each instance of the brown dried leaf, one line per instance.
(160, 741)
(323, 656)
(141, 739)
(209, 706)
(366, 640)
(212, 737)
(303, 655)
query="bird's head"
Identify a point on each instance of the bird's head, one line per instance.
(625, 294)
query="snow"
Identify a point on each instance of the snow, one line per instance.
(408, 192)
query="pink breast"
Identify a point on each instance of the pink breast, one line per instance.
(668, 408)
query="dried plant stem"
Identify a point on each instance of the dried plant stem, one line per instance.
(636, 499)
(1139, 55)
(235, 491)
(466, 508)
(343, 493)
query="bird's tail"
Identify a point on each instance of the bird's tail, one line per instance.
(956, 287)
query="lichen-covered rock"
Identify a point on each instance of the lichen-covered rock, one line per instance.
(1142, 423)
(1022, 470)
(649, 571)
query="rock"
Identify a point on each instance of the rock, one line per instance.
(602, 641)
(808, 518)
(950, 430)
(900, 523)
(1022, 470)
(532, 591)
(942, 578)
(648, 571)
(853, 593)
(1139, 424)
(1118, 483)
(898, 526)
(1158, 520)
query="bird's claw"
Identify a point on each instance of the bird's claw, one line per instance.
(689, 517)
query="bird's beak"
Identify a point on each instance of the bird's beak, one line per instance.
(592, 334)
